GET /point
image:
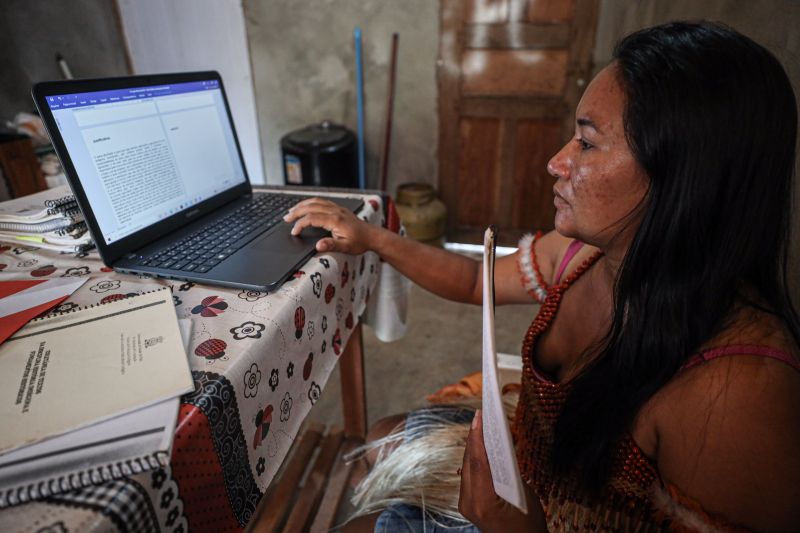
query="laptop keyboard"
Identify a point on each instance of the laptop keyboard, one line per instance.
(206, 248)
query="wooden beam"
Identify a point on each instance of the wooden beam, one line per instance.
(276, 500)
(550, 11)
(512, 108)
(354, 392)
(579, 71)
(504, 199)
(516, 36)
(514, 73)
(448, 77)
(337, 485)
(314, 486)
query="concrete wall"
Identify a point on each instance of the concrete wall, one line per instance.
(303, 70)
(85, 32)
(773, 23)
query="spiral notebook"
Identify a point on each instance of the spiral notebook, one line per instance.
(84, 369)
(49, 219)
(43, 211)
(124, 445)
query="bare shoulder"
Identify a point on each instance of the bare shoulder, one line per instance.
(727, 433)
(550, 251)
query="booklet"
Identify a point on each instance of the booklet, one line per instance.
(70, 370)
(127, 444)
(496, 433)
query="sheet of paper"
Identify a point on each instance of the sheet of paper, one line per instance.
(496, 433)
(75, 369)
(23, 300)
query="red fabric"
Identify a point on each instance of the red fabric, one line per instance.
(197, 471)
(11, 323)
(392, 218)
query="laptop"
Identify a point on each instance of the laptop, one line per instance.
(156, 168)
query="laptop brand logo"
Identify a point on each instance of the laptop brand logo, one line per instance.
(192, 213)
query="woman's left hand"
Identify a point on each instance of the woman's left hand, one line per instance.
(478, 501)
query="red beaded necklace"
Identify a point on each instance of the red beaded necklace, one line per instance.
(550, 306)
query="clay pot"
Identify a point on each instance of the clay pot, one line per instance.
(422, 213)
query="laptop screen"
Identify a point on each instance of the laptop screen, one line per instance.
(145, 153)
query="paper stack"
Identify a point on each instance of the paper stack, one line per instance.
(49, 219)
(79, 413)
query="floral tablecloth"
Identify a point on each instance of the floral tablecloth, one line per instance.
(259, 362)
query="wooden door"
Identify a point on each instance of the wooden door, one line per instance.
(510, 73)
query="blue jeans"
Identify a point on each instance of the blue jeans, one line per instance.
(402, 518)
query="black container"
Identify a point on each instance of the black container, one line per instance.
(322, 154)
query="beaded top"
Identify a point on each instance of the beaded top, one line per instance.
(626, 506)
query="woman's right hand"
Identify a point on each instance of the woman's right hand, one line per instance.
(349, 234)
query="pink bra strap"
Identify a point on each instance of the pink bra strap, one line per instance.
(572, 249)
(741, 349)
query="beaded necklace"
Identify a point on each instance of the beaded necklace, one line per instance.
(548, 310)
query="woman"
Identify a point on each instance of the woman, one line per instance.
(660, 384)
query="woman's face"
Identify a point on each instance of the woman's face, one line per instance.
(598, 182)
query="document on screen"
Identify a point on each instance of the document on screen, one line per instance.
(150, 155)
(135, 165)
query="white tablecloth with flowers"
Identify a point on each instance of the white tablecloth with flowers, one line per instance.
(259, 362)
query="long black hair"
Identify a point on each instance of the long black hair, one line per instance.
(711, 117)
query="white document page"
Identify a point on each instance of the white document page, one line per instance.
(197, 142)
(496, 433)
(135, 166)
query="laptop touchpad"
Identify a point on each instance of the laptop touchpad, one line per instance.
(284, 241)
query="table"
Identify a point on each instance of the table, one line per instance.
(259, 363)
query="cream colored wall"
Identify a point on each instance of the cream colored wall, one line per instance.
(773, 23)
(303, 72)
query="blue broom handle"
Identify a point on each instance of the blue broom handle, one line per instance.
(362, 179)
